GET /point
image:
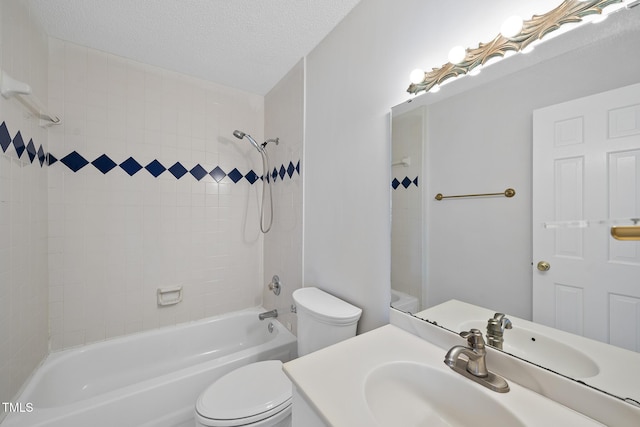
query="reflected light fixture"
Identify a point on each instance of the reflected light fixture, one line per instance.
(516, 35)
(511, 27)
(457, 55)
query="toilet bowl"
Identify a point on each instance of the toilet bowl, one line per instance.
(260, 394)
(255, 395)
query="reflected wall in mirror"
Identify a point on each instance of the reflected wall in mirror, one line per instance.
(478, 138)
(406, 219)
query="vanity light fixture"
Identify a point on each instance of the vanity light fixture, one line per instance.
(516, 35)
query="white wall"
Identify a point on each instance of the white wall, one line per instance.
(353, 78)
(284, 118)
(23, 205)
(114, 238)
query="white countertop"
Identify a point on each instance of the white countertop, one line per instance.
(332, 380)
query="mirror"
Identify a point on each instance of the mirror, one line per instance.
(475, 136)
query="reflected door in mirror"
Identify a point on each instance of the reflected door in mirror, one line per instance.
(586, 177)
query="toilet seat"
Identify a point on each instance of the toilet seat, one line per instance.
(248, 395)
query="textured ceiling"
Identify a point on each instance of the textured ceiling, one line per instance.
(246, 44)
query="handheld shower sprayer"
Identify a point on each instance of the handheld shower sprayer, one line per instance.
(239, 134)
(265, 173)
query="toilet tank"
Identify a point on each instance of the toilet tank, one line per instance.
(323, 319)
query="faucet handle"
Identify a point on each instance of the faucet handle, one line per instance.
(474, 338)
(498, 324)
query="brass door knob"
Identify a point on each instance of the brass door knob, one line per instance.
(544, 266)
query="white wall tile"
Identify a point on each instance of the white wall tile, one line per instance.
(23, 209)
(120, 237)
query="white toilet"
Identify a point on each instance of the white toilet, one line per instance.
(260, 394)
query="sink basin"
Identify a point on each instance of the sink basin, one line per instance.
(542, 350)
(410, 394)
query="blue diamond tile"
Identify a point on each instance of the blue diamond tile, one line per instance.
(198, 172)
(283, 172)
(274, 174)
(298, 167)
(18, 144)
(406, 182)
(41, 156)
(291, 169)
(74, 161)
(415, 181)
(51, 159)
(131, 166)
(5, 138)
(235, 175)
(217, 174)
(104, 164)
(251, 177)
(31, 150)
(178, 170)
(155, 168)
(395, 183)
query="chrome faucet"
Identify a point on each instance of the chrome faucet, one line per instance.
(473, 365)
(267, 314)
(495, 330)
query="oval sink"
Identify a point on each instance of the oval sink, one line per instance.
(542, 350)
(409, 394)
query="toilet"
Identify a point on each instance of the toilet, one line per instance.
(260, 394)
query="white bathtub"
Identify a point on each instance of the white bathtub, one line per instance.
(404, 302)
(150, 379)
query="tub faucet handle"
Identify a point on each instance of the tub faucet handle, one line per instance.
(275, 285)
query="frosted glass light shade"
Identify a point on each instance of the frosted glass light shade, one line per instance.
(511, 27)
(416, 76)
(457, 54)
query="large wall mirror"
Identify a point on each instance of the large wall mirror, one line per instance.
(476, 136)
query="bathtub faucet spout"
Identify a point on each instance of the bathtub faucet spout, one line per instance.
(267, 314)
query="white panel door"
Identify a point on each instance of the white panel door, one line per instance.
(586, 176)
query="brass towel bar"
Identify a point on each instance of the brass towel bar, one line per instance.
(509, 192)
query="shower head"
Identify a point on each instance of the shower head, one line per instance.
(239, 134)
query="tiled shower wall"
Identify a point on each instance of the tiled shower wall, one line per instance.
(284, 118)
(150, 190)
(23, 205)
(406, 199)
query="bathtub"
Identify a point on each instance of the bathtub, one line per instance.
(149, 379)
(404, 302)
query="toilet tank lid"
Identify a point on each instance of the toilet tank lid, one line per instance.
(325, 306)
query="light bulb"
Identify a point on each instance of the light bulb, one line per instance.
(511, 27)
(457, 55)
(416, 76)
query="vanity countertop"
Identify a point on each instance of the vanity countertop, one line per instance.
(332, 380)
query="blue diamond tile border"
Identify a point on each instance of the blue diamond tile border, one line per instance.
(217, 174)
(405, 183)
(131, 166)
(31, 150)
(41, 156)
(251, 177)
(5, 137)
(178, 170)
(235, 175)
(198, 172)
(155, 168)
(74, 161)
(104, 164)
(18, 144)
